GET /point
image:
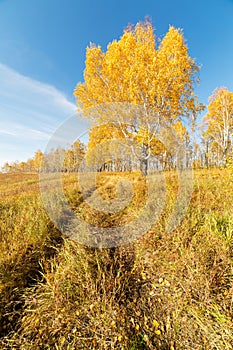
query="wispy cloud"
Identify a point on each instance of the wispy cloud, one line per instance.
(6, 132)
(30, 111)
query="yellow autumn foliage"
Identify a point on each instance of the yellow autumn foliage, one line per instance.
(138, 86)
(219, 121)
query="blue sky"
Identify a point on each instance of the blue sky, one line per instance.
(42, 56)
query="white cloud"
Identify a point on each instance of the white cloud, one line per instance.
(30, 111)
(6, 132)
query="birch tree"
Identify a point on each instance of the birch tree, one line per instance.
(219, 122)
(139, 85)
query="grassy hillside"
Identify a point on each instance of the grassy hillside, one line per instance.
(164, 291)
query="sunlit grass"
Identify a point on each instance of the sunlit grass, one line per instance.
(168, 290)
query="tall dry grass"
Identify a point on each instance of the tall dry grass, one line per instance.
(164, 291)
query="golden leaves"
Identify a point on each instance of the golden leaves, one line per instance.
(133, 70)
(219, 120)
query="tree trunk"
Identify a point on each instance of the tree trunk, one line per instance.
(144, 161)
(144, 167)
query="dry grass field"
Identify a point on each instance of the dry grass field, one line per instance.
(165, 291)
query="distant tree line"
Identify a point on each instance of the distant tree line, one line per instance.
(65, 160)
